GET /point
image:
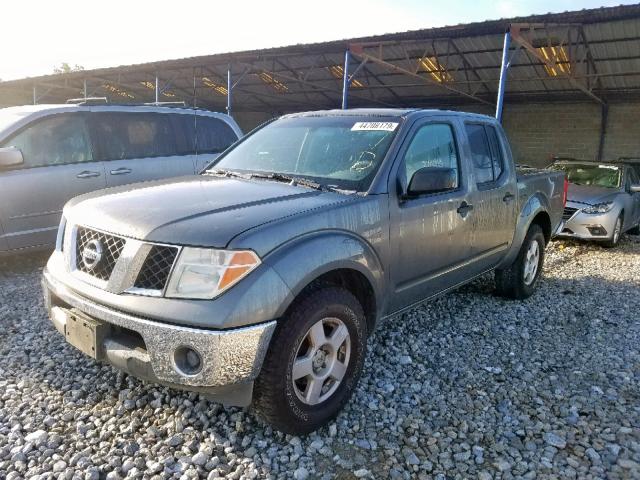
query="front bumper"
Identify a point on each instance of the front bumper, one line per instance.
(230, 359)
(584, 226)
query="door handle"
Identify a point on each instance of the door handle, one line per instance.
(120, 171)
(508, 198)
(464, 208)
(88, 174)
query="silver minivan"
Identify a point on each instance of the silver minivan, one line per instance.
(51, 153)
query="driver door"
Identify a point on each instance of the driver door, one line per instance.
(58, 165)
(430, 234)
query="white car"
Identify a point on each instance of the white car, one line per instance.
(603, 201)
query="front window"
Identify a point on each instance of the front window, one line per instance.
(56, 140)
(341, 152)
(597, 175)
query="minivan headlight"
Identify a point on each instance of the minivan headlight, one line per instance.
(204, 273)
(599, 208)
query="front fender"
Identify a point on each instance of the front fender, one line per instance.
(304, 259)
(535, 204)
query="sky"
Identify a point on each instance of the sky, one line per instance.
(37, 36)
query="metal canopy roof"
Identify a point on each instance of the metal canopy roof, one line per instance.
(589, 55)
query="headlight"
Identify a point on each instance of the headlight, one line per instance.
(599, 208)
(205, 273)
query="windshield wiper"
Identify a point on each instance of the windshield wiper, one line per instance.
(226, 173)
(279, 177)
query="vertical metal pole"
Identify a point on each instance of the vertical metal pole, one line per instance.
(503, 75)
(85, 89)
(35, 96)
(604, 116)
(345, 81)
(157, 89)
(195, 97)
(229, 89)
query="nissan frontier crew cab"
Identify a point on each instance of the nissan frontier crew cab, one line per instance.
(260, 280)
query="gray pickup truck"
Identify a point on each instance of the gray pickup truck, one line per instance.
(262, 278)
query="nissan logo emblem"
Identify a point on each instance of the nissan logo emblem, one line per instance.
(92, 254)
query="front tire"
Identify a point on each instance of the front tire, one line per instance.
(519, 280)
(314, 361)
(617, 234)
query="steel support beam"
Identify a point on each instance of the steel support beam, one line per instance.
(517, 36)
(229, 90)
(345, 81)
(362, 56)
(319, 88)
(503, 75)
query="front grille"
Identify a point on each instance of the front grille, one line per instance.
(111, 247)
(156, 268)
(568, 213)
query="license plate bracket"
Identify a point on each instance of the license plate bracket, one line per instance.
(85, 333)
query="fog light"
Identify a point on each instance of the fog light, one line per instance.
(597, 231)
(187, 361)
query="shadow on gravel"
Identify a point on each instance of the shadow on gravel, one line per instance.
(22, 263)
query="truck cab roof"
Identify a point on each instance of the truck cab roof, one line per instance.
(389, 112)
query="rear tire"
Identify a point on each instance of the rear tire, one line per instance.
(519, 280)
(616, 236)
(323, 338)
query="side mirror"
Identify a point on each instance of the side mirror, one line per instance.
(635, 188)
(10, 157)
(432, 180)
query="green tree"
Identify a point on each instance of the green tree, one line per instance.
(66, 68)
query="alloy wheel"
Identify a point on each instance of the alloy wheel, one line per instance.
(321, 361)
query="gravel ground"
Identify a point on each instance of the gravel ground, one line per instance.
(469, 386)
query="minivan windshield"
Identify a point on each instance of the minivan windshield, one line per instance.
(597, 175)
(342, 152)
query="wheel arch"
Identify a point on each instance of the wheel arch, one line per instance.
(335, 258)
(535, 210)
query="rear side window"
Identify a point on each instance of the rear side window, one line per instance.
(496, 151)
(124, 136)
(213, 135)
(57, 140)
(433, 146)
(184, 127)
(485, 152)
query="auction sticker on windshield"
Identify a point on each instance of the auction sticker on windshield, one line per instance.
(369, 126)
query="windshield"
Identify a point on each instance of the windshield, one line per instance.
(339, 152)
(606, 176)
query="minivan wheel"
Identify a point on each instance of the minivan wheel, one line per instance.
(314, 361)
(519, 280)
(616, 235)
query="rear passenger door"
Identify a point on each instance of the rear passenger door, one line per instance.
(213, 136)
(494, 200)
(59, 164)
(139, 146)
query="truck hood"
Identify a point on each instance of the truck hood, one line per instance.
(590, 194)
(196, 210)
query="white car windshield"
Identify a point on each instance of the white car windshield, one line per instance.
(606, 176)
(338, 151)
